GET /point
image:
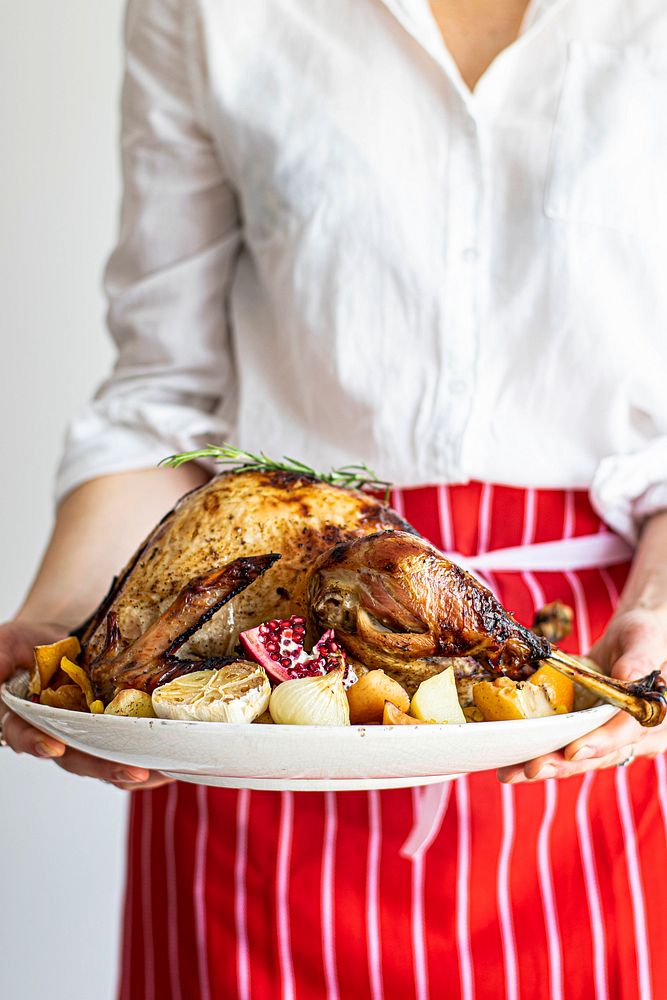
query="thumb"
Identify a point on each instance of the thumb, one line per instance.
(17, 641)
(640, 651)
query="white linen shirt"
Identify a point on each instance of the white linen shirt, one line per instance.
(330, 248)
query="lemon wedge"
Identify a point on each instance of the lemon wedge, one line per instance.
(559, 689)
(237, 692)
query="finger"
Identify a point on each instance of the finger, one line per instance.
(23, 738)
(639, 647)
(557, 767)
(519, 772)
(638, 661)
(15, 650)
(82, 764)
(156, 780)
(621, 731)
(654, 743)
(17, 642)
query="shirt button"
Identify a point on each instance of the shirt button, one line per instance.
(470, 254)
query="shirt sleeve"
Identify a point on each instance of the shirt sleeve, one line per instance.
(627, 489)
(168, 277)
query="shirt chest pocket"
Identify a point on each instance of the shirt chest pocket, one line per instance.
(608, 161)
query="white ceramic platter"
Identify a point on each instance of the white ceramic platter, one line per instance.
(302, 758)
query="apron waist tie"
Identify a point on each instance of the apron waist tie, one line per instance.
(583, 552)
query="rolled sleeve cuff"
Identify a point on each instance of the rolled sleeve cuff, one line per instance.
(627, 489)
(99, 444)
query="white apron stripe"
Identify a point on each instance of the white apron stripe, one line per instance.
(580, 612)
(445, 519)
(397, 501)
(420, 965)
(282, 896)
(612, 589)
(199, 891)
(146, 892)
(529, 515)
(503, 889)
(545, 868)
(592, 889)
(661, 771)
(240, 913)
(130, 880)
(568, 521)
(172, 892)
(432, 806)
(536, 592)
(484, 528)
(327, 896)
(463, 890)
(636, 887)
(547, 889)
(372, 890)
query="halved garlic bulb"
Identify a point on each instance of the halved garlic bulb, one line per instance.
(311, 701)
(238, 692)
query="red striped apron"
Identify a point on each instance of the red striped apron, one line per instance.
(553, 890)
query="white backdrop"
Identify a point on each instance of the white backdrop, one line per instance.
(61, 838)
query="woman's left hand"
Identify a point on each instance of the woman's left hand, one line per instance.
(634, 644)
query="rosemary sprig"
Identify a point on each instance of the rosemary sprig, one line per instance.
(350, 476)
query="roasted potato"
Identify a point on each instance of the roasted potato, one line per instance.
(505, 699)
(437, 700)
(47, 660)
(129, 702)
(393, 716)
(80, 677)
(368, 695)
(68, 696)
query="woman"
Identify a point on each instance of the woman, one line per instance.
(429, 238)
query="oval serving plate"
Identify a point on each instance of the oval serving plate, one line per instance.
(298, 758)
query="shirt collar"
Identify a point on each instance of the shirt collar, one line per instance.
(418, 21)
(418, 12)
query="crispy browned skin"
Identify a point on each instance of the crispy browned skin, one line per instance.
(234, 516)
(392, 598)
(151, 659)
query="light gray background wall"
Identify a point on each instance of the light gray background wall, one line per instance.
(61, 838)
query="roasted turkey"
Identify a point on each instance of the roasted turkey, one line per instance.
(132, 638)
(253, 546)
(393, 599)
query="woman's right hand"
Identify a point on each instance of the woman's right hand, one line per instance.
(17, 640)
